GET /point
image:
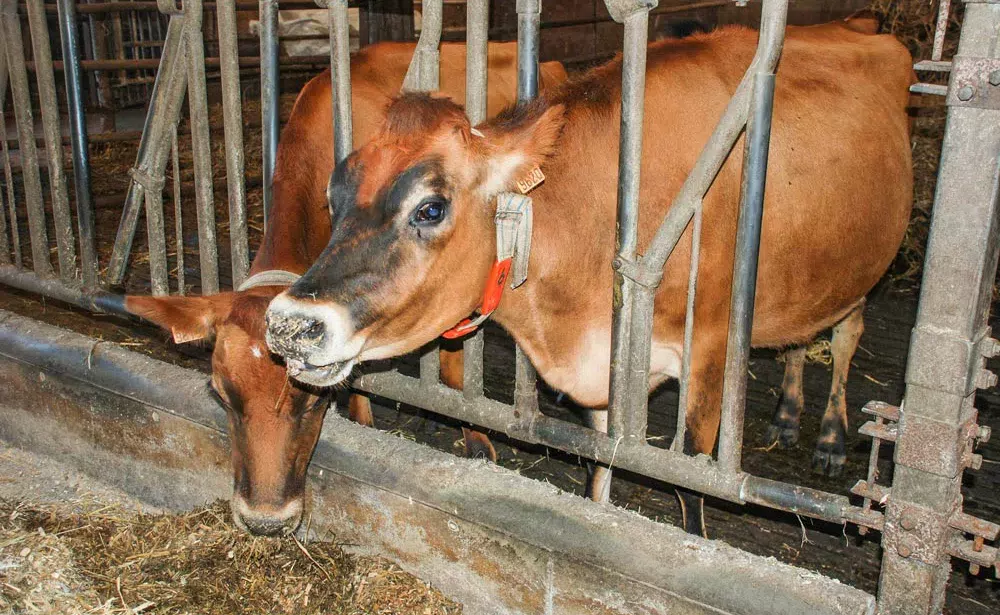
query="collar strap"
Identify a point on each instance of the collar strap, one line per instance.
(513, 226)
(271, 277)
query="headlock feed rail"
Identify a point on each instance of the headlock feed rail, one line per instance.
(935, 430)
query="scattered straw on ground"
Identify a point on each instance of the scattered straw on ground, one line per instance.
(115, 562)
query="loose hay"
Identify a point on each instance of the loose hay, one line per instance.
(113, 562)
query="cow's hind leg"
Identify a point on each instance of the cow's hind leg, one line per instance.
(784, 428)
(831, 448)
(477, 444)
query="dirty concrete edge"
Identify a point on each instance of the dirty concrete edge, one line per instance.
(705, 575)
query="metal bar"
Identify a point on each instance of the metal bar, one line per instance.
(26, 137)
(477, 34)
(945, 362)
(340, 73)
(178, 214)
(940, 28)
(270, 96)
(525, 389)
(86, 226)
(699, 473)
(154, 63)
(477, 37)
(151, 6)
(14, 244)
(201, 148)
(157, 240)
(529, 14)
(682, 398)
(72, 293)
(745, 273)
(624, 420)
(42, 52)
(232, 113)
(423, 73)
(163, 113)
(430, 365)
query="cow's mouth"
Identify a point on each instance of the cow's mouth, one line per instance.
(320, 375)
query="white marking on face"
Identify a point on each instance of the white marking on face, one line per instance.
(256, 352)
(501, 173)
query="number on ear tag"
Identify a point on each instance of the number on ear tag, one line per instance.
(530, 181)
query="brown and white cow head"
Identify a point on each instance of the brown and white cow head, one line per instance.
(413, 235)
(273, 422)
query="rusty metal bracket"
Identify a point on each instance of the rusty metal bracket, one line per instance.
(637, 271)
(621, 9)
(975, 82)
(921, 433)
(920, 533)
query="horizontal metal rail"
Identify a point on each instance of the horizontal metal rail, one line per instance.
(699, 473)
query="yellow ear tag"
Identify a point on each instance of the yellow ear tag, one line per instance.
(530, 181)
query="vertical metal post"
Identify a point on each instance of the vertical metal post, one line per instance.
(340, 75)
(157, 240)
(745, 272)
(270, 96)
(178, 214)
(15, 244)
(80, 143)
(423, 73)
(163, 113)
(201, 147)
(945, 363)
(625, 418)
(940, 29)
(528, 22)
(692, 290)
(758, 134)
(31, 175)
(476, 46)
(232, 113)
(45, 77)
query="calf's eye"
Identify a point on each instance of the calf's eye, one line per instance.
(430, 211)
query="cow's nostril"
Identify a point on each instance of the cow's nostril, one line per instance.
(313, 330)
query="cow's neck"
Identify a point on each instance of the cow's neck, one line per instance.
(298, 231)
(561, 316)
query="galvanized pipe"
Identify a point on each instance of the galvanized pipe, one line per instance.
(178, 214)
(86, 225)
(940, 29)
(692, 289)
(529, 13)
(41, 47)
(88, 299)
(157, 243)
(232, 113)
(423, 75)
(161, 116)
(201, 147)
(15, 243)
(340, 74)
(625, 419)
(13, 42)
(430, 365)
(699, 473)
(477, 38)
(745, 273)
(270, 97)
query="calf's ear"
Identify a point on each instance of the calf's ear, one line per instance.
(188, 319)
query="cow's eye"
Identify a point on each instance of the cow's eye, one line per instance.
(430, 211)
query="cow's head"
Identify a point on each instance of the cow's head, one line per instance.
(274, 422)
(413, 235)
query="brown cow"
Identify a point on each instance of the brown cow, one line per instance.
(275, 423)
(414, 234)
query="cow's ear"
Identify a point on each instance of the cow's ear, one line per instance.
(516, 142)
(188, 319)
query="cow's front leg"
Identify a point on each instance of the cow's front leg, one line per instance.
(477, 444)
(831, 448)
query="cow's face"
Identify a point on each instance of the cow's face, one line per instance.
(413, 236)
(274, 422)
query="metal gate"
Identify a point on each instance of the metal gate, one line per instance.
(935, 431)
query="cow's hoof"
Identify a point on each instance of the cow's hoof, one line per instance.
(828, 463)
(784, 437)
